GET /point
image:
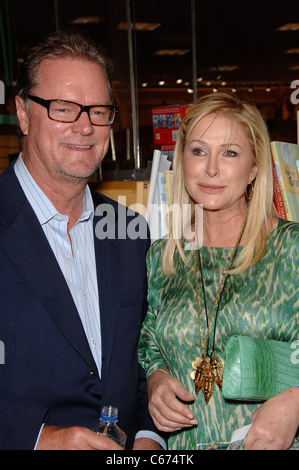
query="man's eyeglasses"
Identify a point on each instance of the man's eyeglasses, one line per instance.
(67, 111)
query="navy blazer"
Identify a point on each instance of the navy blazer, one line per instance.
(49, 375)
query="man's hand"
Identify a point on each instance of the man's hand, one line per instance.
(73, 438)
(167, 411)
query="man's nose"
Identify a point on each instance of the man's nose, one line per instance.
(83, 123)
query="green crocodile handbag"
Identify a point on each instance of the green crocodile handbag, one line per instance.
(257, 369)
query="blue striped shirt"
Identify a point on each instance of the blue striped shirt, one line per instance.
(76, 258)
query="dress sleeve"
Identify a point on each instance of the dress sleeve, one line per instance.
(287, 259)
(149, 353)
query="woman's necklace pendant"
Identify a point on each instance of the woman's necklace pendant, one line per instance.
(208, 371)
(208, 368)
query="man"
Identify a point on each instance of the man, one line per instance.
(71, 300)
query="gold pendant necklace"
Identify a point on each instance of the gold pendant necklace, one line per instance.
(208, 368)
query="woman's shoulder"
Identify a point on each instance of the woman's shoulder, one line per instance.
(285, 239)
(154, 255)
(157, 247)
(287, 229)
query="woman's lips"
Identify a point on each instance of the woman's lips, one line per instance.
(211, 189)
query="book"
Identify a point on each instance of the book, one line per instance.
(162, 204)
(160, 165)
(277, 197)
(285, 157)
(168, 175)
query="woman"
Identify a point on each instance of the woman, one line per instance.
(222, 163)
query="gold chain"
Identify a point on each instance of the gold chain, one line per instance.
(219, 289)
(208, 369)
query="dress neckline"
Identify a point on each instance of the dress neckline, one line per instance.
(186, 243)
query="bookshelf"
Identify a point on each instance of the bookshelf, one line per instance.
(9, 144)
(134, 192)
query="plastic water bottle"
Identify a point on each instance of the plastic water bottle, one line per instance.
(108, 425)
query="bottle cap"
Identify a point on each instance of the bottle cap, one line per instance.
(109, 413)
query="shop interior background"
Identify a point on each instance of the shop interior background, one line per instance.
(172, 52)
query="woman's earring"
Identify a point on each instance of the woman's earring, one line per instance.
(248, 195)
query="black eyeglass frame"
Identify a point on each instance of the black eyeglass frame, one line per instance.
(84, 108)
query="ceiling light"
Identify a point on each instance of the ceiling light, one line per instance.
(172, 51)
(189, 90)
(86, 19)
(294, 50)
(144, 85)
(179, 81)
(161, 82)
(288, 27)
(139, 26)
(224, 68)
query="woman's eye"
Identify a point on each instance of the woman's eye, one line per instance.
(198, 151)
(230, 153)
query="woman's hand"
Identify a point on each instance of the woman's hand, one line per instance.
(165, 407)
(275, 422)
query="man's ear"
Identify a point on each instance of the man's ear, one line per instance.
(22, 115)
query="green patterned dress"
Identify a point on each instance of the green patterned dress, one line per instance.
(262, 302)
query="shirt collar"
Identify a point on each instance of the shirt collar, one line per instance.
(41, 204)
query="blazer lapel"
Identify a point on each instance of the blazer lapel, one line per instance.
(107, 257)
(26, 245)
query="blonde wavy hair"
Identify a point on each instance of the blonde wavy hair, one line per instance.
(260, 206)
